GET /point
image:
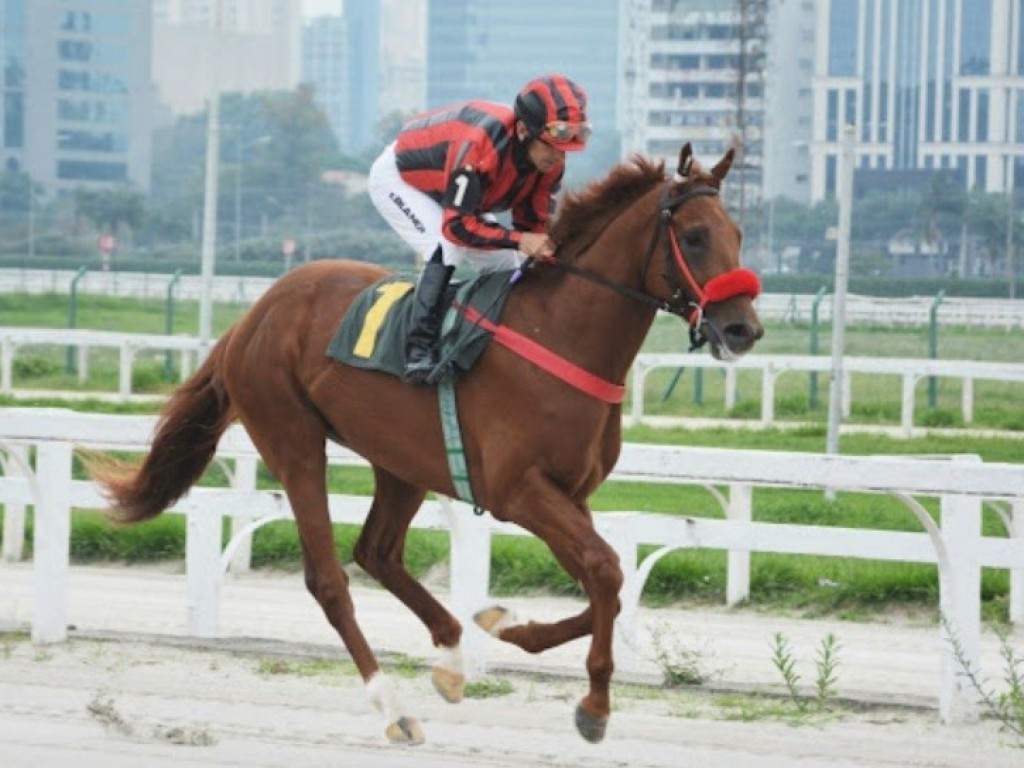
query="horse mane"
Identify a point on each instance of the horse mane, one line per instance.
(583, 215)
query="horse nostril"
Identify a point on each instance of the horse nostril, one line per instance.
(741, 336)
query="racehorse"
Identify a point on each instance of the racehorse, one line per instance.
(537, 443)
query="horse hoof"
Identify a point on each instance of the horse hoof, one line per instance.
(494, 619)
(405, 730)
(451, 685)
(591, 728)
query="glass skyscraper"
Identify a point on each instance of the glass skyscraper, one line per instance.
(928, 84)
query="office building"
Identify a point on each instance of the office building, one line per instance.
(928, 84)
(78, 97)
(693, 70)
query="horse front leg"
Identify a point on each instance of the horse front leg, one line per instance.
(379, 551)
(568, 530)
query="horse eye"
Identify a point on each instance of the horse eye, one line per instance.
(694, 238)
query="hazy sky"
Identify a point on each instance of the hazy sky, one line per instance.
(321, 7)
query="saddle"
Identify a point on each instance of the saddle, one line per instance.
(373, 332)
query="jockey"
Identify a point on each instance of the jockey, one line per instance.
(439, 184)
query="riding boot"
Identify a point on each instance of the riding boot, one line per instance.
(421, 352)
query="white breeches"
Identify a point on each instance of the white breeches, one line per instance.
(416, 217)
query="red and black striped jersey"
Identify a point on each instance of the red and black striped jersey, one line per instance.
(467, 158)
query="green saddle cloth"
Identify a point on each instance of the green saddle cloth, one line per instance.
(373, 332)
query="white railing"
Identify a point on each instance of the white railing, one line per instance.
(956, 544)
(14, 340)
(772, 366)
(912, 311)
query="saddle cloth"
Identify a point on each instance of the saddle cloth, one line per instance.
(373, 332)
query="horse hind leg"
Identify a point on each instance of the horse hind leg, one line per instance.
(379, 551)
(297, 457)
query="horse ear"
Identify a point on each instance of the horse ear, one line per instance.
(685, 162)
(724, 165)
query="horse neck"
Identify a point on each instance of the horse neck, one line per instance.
(603, 328)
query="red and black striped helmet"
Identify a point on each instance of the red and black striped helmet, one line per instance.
(554, 109)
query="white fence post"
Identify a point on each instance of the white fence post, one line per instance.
(1017, 574)
(202, 563)
(127, 358)
(242, 479)
(470, 578)
(967, 400)
(6, 365)
(960, 600)
(52, 543)
(737, 584)
(619, 534)
(768, 395)
(14, 511)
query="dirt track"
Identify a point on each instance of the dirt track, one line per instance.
(124, 703)
(146, 700)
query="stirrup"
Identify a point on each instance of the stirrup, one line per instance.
(418, 371)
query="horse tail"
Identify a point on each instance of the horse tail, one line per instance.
(190, 426)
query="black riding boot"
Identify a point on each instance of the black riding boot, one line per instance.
(421, 353)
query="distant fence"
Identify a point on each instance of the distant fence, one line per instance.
(955, 543)
(911, 372)
(869, 310)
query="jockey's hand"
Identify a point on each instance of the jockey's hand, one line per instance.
(538, 245)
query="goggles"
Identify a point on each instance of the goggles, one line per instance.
(563, 132)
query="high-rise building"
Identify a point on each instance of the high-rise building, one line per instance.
(789, 100)
(927, 84)
(489, 49)
(325, 68)
(693, 70)
(255, 47)
(341, 60)
(78, 97)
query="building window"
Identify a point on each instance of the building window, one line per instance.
(14, 120)
(964, 124)
(982, 115)
(975, 38)
(832, 124)
(84, 170)
(842, 39)
(980, 172)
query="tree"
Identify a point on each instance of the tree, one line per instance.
(110, 209)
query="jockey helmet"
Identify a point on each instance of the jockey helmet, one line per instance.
(554, 109)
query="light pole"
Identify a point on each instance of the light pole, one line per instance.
(210, 191)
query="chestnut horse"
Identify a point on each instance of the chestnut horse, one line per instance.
(536, 446)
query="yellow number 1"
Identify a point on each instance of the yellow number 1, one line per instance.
(389, 294)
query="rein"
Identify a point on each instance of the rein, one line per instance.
(735, 282)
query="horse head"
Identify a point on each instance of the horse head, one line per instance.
(700, 260)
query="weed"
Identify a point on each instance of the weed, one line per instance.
(1008, 706)
(782, 658)
(304, 667)
(406, 666)
(680, 664)
(488, 689)
(826, 663)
